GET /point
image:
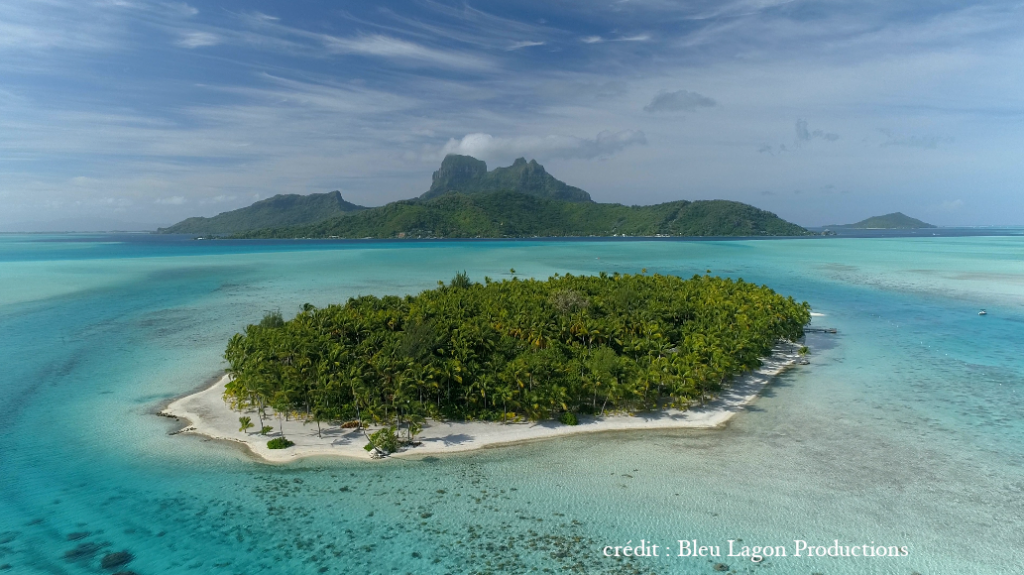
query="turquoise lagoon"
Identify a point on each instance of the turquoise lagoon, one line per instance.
(906, 429)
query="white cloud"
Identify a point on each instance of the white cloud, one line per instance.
(599, 39)
(681, 100)
(486, 146)
(394, 48)
(171, 201)
(197, 40)
(524, 44)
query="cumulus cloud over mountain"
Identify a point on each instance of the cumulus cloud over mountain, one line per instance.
(555, 146)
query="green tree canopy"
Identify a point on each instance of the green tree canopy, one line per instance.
(518, 349)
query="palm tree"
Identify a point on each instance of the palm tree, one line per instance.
(245, 424)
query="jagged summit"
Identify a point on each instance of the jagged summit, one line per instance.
(455, 173)
(468, 175)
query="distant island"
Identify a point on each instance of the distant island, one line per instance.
(893, 221)
(514, 350)
(514, 215)
(467, 201)
(280, 210)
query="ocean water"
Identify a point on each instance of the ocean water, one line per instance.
(906, 429)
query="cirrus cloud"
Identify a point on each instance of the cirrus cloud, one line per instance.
(197, 40)
(524, 44)
(388, 47)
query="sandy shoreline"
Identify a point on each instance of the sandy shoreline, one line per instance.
(209, 415)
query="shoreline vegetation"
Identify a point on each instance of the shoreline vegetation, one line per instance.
(208, 415)
(554, 353)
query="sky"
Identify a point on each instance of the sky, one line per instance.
(820, 111)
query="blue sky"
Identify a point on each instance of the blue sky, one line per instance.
(823, 112)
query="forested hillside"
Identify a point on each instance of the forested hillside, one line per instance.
(511, 214)
(280, 210)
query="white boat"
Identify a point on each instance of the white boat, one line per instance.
(982, 312)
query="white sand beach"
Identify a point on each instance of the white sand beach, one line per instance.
(208, 414)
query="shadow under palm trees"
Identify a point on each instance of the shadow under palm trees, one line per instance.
(451, 439)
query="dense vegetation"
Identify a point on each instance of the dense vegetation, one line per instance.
(519, 349)
(468, 175)
(279, 443)
(893, 221)
(512, 214)
(280, 210)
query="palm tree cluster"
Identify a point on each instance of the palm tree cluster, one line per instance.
(510, 350)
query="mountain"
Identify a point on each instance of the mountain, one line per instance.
(467, 201)
(514, 214)
(893, 221)
(278, 211)
(468, 175)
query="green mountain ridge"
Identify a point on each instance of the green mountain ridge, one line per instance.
(513, 214)
(468, 175)
(467, 201)
(280, 210)
(893, 221)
